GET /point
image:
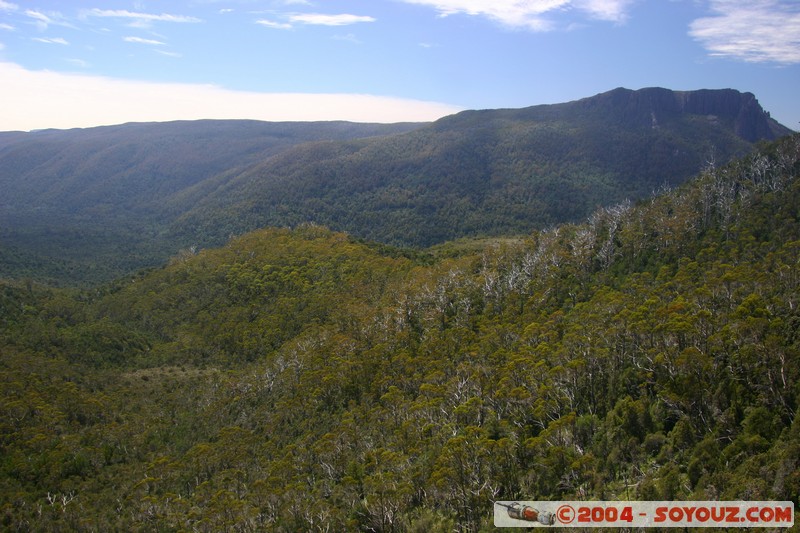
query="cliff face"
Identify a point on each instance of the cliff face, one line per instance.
(653, 106)
(751, 122)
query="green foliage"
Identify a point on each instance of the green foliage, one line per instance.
(89, 206)
(477, 173)
(296, 380)
(85, 206)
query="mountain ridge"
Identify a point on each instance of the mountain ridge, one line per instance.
(565, 159)
(638, 106)
(101, 202)
(648, 353)
(751, 122)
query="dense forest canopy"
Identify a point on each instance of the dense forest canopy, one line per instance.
(303, 379)
(81, 207)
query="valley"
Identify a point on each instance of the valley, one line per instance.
(391, 330)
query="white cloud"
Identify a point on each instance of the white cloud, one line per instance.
(44, 99)
(79, 62)
(751, 30)
(349, 38)
(517, 13)
(315, 19)
(329, 20)
(169, 54)
(273, 24)
(42, 20)
(56, 40)
(8, 6)
(611, 10)
(139, 40)
(4, 26)
(148, 17)
(529, 14)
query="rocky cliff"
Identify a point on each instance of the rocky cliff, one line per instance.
(655, 106)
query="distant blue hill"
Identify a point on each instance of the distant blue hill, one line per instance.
(81, 206)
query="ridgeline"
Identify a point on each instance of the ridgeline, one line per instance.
(86, 206)
(296, 379)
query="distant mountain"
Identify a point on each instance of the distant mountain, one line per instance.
(84, 205)
(653, 107)
(89, 204)
(490, 172)
(298, 380)
(140, 166)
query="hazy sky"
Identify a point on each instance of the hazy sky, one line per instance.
(84, 63)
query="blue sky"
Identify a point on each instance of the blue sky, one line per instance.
(84, 63)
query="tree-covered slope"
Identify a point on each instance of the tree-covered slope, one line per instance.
(301, 380)
(92, 204)
(89, 205)
(492, 172)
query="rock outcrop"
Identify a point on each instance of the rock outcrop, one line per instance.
(653, 106)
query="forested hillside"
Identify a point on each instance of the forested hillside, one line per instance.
(303, 380)
(84, 206)
(490, 172)
(92, 204)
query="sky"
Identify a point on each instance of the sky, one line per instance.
(83, 63)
